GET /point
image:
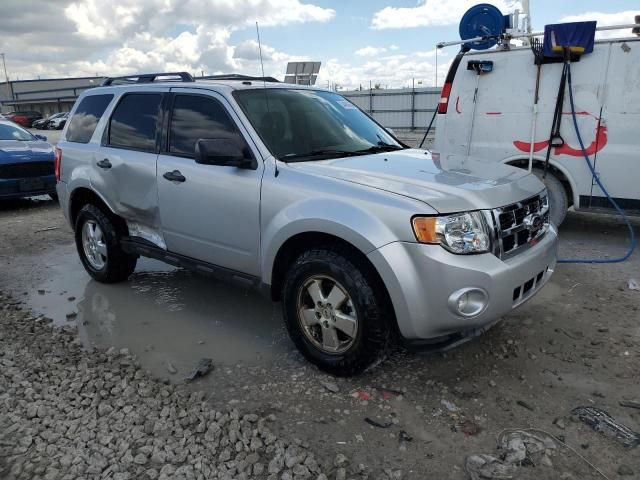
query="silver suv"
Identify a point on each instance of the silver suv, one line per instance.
(295, 191)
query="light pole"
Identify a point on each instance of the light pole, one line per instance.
(6, 76)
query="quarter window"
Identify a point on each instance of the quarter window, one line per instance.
(86, 117)
(134, 122)
(195, 117)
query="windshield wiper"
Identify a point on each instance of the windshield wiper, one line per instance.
(318, 153)
(380, 148)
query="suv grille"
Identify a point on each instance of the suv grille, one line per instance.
(25, 170)
(520, 223)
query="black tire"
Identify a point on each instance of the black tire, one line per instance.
(54, 196)
(558, 200)
(118, 265)
(374, 315)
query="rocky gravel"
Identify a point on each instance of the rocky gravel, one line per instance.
(69, 413)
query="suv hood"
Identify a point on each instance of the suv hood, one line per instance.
(449, 184)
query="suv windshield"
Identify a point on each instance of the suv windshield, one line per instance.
(11, 132)
(302, 125)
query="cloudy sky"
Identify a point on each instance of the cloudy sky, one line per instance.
(382, 41)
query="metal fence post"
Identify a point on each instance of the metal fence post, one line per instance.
(413, 104)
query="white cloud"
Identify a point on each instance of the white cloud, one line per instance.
(431, 13)
(606, 19)
(370, 51)
(97, 37)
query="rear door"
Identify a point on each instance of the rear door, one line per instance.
(618, 156)
(212, 214)
(125, 164)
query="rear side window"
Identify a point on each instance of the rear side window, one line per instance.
(134, 122)
(194, 117)
(85, 118)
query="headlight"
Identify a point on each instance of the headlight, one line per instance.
(459, 233)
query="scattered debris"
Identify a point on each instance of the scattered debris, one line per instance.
(204, 366)
(404, 436)
(483, 466)
(48, 229)
(387, 393)
(634, 284)
(450, 406)
(171, 369)
(332, 387)
(526, 405)
(71, 316)
(559, 422)
(470, 428)
(373, 423)
(361, 395)
(602, 422)
(630, 404)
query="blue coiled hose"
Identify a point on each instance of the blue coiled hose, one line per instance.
(632, 235)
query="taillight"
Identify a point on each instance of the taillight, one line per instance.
(444, 98)
(58, 156)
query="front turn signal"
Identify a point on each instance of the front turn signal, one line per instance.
(425, 229)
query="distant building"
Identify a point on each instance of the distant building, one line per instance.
(44, 96)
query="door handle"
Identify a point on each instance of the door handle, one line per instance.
(105, 163)
(174, 176)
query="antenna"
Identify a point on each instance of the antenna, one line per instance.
(266, 93)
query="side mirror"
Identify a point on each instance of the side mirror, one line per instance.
(41, 137)
(224, 152)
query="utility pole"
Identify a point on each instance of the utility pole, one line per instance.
(6, 76)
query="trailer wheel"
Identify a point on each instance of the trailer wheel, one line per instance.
(558, 200)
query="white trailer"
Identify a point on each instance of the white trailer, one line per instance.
(490, 115)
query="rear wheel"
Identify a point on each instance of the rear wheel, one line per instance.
(335, 314)
(98, 245)
(558, 200)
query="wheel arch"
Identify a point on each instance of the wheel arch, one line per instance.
(556, 168)
(82, 196)
(295, 245)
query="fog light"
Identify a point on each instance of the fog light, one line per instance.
(468, 302)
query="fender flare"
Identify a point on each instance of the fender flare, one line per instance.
(82, 183)
(321, 215)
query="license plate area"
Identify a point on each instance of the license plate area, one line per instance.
(30, 184)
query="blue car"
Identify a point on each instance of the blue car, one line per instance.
(27, 163)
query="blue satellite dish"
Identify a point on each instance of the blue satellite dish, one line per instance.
(483, 20)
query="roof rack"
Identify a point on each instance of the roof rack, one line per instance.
(237, 76)
(146, 78)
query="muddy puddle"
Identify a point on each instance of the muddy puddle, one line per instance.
(162, 314)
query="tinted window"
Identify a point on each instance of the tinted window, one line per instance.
(296, 123)
(195, 117)
(86, 117)
(135, 120)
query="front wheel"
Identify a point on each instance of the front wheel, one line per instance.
(558, 200)
(99, 247)
(335, 313)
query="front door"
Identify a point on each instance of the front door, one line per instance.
(208, 212)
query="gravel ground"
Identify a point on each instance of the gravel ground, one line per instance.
(69, 413)
(577, 343)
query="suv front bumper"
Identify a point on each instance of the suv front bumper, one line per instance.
(421, 279)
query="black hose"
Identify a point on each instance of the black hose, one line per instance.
(428, 128)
